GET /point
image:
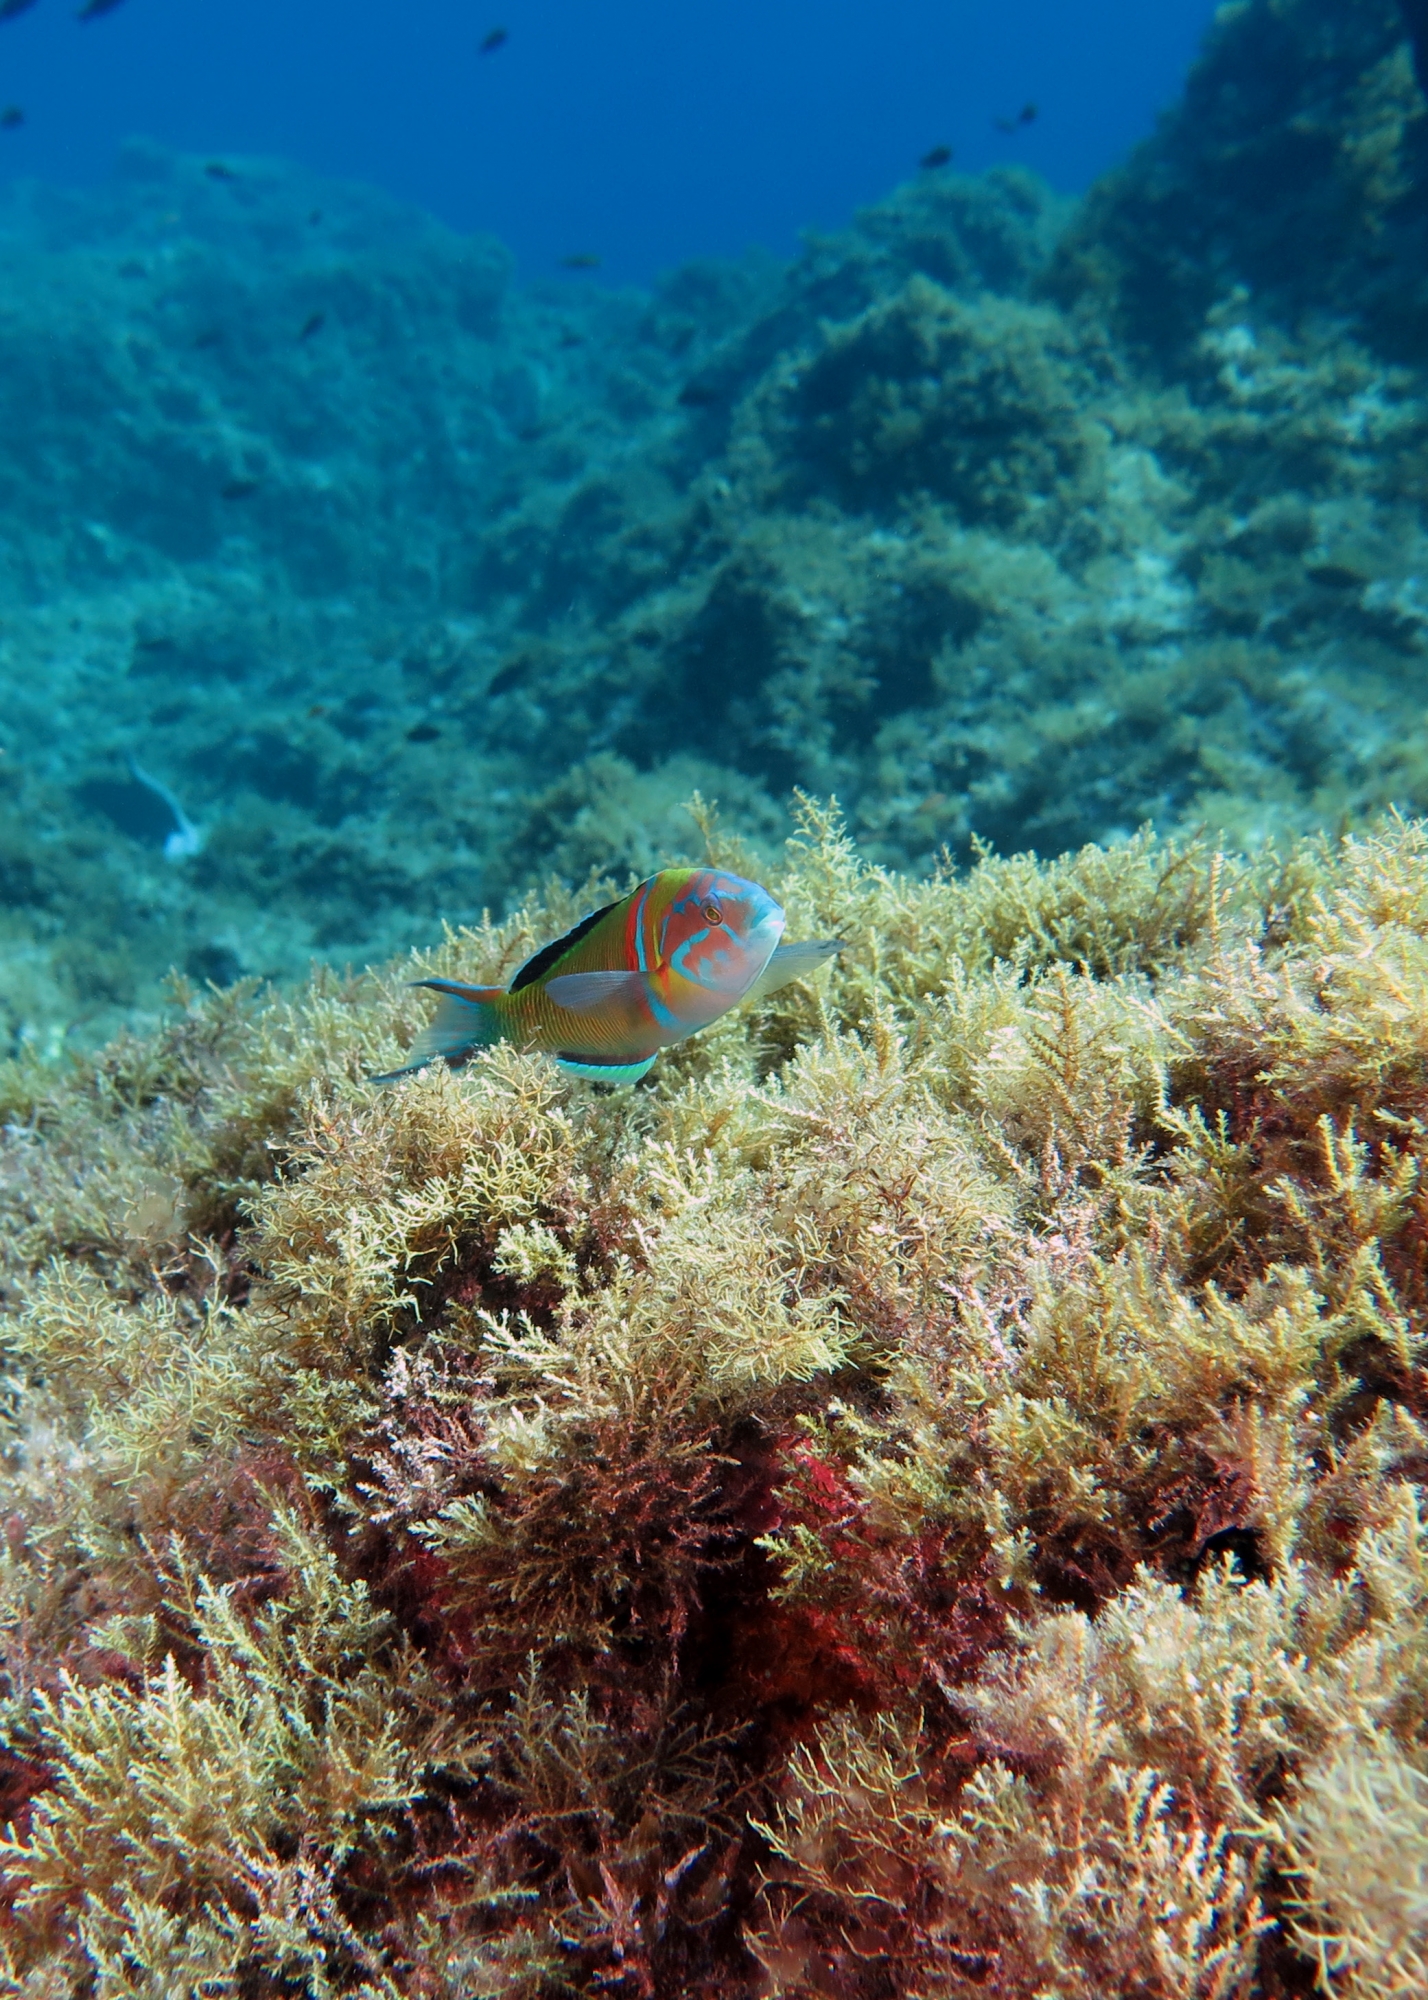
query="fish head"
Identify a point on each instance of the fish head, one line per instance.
(717, 931)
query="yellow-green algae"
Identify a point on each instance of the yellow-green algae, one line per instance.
(919, 1500)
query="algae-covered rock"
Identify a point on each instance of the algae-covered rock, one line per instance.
(976, 406)
(1004, 520)
(1294, 165)
(921, 1496)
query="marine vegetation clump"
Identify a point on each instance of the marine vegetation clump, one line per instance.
(976, 405)
(922, 1496)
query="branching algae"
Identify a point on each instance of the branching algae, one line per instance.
(920, 1497)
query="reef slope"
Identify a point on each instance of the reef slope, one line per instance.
(1002, 521)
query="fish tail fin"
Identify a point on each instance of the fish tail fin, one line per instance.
(465, 1021)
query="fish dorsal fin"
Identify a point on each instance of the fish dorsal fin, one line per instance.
(551, 954)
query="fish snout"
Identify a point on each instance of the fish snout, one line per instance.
(760, 941)
(763, 918)
(767, 921)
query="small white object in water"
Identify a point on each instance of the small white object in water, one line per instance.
(186, 840)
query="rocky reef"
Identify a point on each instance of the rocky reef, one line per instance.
(920, 1500)
(1002, 520)
(924, 1496)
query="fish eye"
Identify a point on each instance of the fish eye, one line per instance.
(713, 913)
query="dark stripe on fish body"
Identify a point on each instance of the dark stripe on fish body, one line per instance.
(548, 954)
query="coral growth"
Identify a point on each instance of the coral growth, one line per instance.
(921, 1498)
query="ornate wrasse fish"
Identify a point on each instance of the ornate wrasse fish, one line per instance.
(628, 980)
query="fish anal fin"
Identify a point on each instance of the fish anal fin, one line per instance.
(600, 1072)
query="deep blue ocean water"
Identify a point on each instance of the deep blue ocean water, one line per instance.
(644, 132)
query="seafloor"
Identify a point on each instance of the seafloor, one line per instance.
(996, 519)
(919, 1500)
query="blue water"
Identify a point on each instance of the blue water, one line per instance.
(644, 131)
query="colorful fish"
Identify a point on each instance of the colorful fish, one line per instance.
(629, 980)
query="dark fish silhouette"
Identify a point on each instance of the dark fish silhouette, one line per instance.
(314, 323)
(239, 489)
(10, 117)
(497, 39)
(217, 170)
(938, 157)
(1026, 116)
(10, 8)
(581, 260)
(92, 9)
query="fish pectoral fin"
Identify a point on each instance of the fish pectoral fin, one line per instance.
(579, 992)
(462, 1023)
(793, 961)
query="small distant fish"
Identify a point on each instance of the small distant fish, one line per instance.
(10, 8)
(314, 323)
(219, 170)
(186, 840)
(580, 260)
(11, 117)
(238, 489)
(638, 976)
(1026, 116)
(496, 39)
(92, 9)
(940, 156)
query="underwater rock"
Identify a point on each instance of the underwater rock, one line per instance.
(977, 406)
(1002, 520)
(1296, 165)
